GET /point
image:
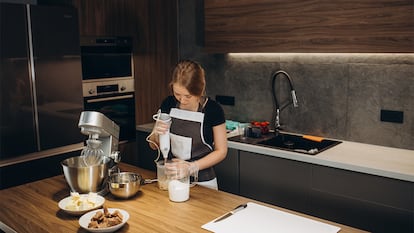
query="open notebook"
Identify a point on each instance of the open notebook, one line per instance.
(259, 218)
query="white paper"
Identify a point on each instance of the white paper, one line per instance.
(259, 218)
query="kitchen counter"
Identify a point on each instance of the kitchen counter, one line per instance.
(33, 207)
(359, 157)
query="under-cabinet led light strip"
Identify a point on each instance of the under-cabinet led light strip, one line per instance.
(319, 54)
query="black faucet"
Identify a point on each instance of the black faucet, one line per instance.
(292, 92)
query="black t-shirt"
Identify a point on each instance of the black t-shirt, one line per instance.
(213, 115)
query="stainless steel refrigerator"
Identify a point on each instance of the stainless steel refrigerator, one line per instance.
(40, 79)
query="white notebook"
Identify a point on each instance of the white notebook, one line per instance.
(259, 218)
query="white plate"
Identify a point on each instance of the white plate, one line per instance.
(86, 219)
(64, 202)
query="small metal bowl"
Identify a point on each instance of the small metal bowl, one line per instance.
(124, 184)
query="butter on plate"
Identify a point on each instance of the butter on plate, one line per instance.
(81, 202)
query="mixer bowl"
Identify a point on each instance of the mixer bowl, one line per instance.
(124, 184)
(85, 179)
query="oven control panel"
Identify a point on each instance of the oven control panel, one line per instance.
(107, 86)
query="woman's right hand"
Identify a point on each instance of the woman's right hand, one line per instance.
(161, 127)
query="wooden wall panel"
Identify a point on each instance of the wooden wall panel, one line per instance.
(309, 26)
(152, 24)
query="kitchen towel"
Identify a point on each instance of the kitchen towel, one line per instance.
(231, 125)
(259, 218)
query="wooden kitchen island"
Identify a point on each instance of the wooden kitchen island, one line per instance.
(33, 207)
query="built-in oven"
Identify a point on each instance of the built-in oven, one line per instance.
(115, 98)
(106, 57)
(108, 80)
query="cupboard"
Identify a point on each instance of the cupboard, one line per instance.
(152, 25)
(317, 26)
(369, 202)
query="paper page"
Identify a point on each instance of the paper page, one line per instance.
(257, 217)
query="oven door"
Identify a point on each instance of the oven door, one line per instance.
(106, 65)
(118, 107)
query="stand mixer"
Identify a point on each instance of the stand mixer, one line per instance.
(97, 125)
(89, 171)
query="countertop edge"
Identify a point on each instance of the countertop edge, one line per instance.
(319, 161)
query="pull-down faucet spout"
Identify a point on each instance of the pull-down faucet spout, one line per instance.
(292, 92)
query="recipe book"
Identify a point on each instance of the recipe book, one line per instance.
(255, 218)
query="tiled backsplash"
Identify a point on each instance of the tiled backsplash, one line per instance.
(340, 95)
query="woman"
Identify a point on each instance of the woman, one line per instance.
(198, 130)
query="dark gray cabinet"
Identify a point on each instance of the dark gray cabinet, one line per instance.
(374, 203)
(369, 202)
(145, 155)
(281, 182)
(227, 172)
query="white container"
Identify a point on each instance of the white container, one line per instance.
(178, 191)
(161, 176)
(178, 177)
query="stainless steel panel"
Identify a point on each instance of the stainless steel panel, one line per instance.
(58, 74)
(17, 128)
(40, 78)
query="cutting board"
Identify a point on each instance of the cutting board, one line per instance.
(259, 218)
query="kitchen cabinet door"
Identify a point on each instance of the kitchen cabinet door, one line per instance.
(227, 172)
(145, 155)
(344, 26)
(282, 182)
(29, 171)
(372, 203)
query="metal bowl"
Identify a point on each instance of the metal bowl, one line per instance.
(82, 178)
(124, 184)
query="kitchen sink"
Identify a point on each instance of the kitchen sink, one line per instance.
(291, 142)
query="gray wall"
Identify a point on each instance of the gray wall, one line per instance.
(340, 95)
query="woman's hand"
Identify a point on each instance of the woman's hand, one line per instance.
(177, 169)
(161, 127)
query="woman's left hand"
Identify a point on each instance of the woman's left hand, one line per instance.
(177, 168)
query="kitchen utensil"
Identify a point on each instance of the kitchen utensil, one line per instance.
(87, 173)
(264, 219)
(92, 154)
(97, 125)
(85, 219)
(178, 178)
(242, 127)
(85, 179)
(164, 138)
(124, 184)
(238, 208)
(161, 176)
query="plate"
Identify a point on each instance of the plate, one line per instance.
(64, 202)
(86, 219)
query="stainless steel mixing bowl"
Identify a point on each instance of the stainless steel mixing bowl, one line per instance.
(85, 179)
(124, 184)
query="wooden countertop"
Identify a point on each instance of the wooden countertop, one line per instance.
(33, 207)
